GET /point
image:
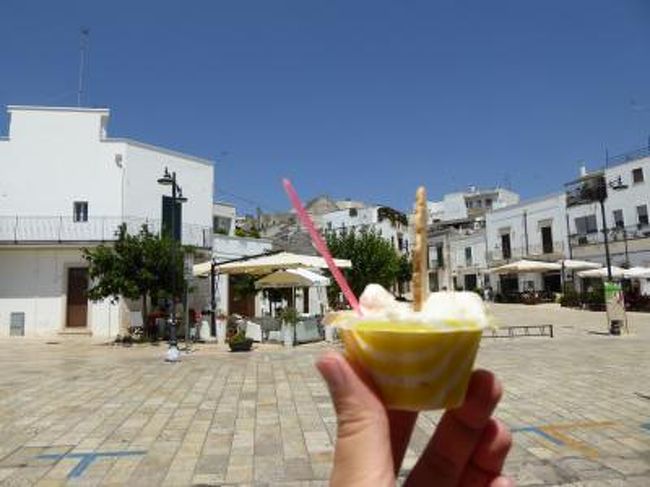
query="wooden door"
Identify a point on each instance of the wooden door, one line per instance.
(77, 312)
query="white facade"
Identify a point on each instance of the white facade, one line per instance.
(224, 218)
(469, 204)
(226, 248)
(535, 229)
(66, 185)
(32, 281)
(527, 225)
(457, 258)
(394, 229)
(629, 231)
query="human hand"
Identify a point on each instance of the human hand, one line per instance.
(468, 447)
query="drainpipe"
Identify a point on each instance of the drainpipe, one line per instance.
(568, 236)
(525, 215)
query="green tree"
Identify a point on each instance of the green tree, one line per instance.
(137, 267)
(374, 260)
(404, 272)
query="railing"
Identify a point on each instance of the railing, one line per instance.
(616, 234)
(60, 229)
(536, 251)
(629, 156)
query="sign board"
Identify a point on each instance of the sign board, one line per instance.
(615, 303)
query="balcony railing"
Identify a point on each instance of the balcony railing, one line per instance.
(60, 229)
(631, 232)
(536, 251)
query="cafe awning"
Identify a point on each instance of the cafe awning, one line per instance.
(526, 266)
(265, 264)
(292, 278)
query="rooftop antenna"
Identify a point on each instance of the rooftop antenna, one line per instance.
(83, 47)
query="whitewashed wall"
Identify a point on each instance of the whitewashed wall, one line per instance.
(34, 281)
(53, 158)
(536, 213)
(226, 248)
(143, 195)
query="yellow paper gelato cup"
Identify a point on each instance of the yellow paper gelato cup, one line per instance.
(414, 367)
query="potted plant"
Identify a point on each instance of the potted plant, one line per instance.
(289, 318)
(239, 342)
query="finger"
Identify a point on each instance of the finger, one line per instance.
(475, 477)
(401, 425)
(362, 454)
(458, 433)
(493, 447)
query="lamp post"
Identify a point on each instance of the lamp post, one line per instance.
(591, 188)
(177, 197)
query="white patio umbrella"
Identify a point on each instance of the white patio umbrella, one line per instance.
(266, 264)
(292, 278)
(617, 272)
(578, 265)
(525, 266)
(637, 273)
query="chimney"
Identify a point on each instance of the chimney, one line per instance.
(583, 169)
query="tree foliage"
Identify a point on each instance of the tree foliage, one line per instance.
(137, 266)
(374, 260)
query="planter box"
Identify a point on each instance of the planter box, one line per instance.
(244, 346)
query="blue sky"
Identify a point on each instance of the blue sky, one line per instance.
(360, 99)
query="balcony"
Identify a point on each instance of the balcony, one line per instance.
(631, 232)
(43, 230)
(536, 252)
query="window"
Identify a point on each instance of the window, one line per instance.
(619, 222)
(353, 212)
(80, 211)
(506, 250)
(439, 256)
(642, 214)
(468, 256)
(586, 224)
(479, 203)
(470, 282)
(400, 243)
(547, 239)
(637, 175)
(221, 225)
(488, 203)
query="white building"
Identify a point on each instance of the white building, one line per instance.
(67, 185)
(388, 223)
(626, 211)
(474, 202)
(457, 256)
(535, 229)
(228, 248)
(457, 237)
(224, 218)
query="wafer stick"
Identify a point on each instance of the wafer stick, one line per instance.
(420, 249)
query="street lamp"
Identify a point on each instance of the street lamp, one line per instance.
(168, 179)
(591, 188)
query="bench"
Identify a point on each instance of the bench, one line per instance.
(520, 330)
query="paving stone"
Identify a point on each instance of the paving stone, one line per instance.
(266, 417)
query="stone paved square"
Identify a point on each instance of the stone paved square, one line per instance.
(78, 413)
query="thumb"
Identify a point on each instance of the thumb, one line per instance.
(362, 455)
